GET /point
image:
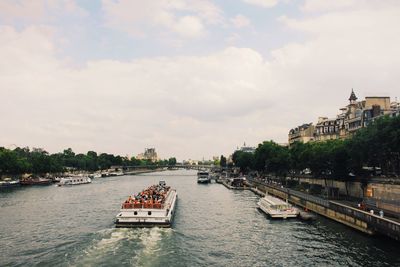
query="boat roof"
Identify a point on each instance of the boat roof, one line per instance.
(274, 201)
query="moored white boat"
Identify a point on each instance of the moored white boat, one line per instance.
(277, 208)
(154, 206)
(8, 182)
(203, 177)
(74, 180)
(94, 175)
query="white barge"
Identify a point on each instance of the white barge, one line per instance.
(277, 208)
(203, 177)
(74, 180)
(154, 206)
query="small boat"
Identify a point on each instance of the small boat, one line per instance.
(8, 182)
(74, 180)
(154, 206)
(56, 179)
(117, 174)
(203, 177)
(306, 216)
(277, 208)
(36, 181)
(94, 175)
(237, 182)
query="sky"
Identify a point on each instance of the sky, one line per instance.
(192, 78)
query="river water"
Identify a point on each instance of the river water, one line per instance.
(214, 226)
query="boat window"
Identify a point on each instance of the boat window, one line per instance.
(135, 213)
(149, 213)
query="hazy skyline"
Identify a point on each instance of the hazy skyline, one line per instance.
(193, 79)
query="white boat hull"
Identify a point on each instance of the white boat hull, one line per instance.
(276, 208)
(276, 214)
(203, 180)
(74, 181)
(144, 217)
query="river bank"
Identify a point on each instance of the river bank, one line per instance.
(342, 212)
(55, 177)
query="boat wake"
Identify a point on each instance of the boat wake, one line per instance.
(127, 246)
(151, 243)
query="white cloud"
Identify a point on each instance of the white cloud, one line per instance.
(350, 48)
(195, 106)
(37, 11)
(342, 5)
(28, 10)
(124, 107)
(322, 5)
(262, 3)
(240, 21)
(189, 26)
(140, 18)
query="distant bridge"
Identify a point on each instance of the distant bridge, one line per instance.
(188, 167)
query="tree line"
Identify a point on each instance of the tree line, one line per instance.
(371, 149)
(39, 161)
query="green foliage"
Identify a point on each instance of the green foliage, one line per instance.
(11, 163)
(243, 160)
(39, 161)
(376, 146)
(171, 161)
(272, 158)
(222, 161)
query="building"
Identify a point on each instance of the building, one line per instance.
(327, 129)
(303, 133)
(354, 116)
(149, 154)
(248, 149)
(394, 109)
(190, 162)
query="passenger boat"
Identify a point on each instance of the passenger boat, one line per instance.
(8, 182)
(36, 181)
(203, 177)
(154, 206)
(74, 180)
(94, 175)
(277, 208)
(237, 182)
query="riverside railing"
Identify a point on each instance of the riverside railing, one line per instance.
(376, 223)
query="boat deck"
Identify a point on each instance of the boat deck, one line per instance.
(154, 206)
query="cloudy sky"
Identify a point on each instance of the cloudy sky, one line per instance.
(192, 78)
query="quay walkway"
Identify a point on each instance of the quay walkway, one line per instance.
(339, 211)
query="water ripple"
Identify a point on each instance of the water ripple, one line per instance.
(73, 226)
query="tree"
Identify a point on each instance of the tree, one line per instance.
(105, 161)
(92, 161)
(377, 146)
(11, 163)
(171, 161)
(135, 162)
(222, 161)
(298, 156)
(272, 158)
(40, 161)
(243, 160)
